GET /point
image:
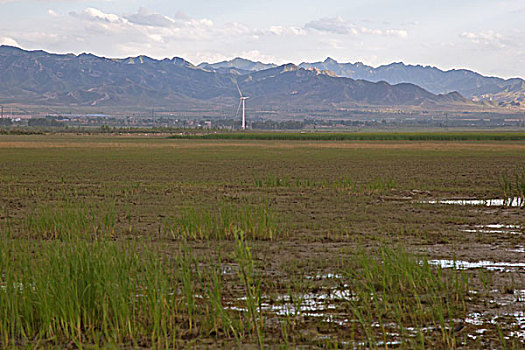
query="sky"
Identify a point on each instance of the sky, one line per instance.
(487, 36)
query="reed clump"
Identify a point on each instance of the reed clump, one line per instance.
(257, 222)
(87, 293)
(84, 292)
(513, 188)
(376, 185)
(66, 221)
(397, 287)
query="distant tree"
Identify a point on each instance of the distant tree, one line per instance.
(6, 122)
(105, 129)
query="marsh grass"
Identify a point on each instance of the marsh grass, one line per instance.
(251, 284)
(70, 278)
(513, 187)
(222, 321)
(380, 185)
(6, 225)
(66, 221)
(257, 222)
(87, 293)
(83, 291)
(398, 287)
(376, 185)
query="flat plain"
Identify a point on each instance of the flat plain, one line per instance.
(146, 241)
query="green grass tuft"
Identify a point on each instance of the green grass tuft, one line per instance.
(257, 222)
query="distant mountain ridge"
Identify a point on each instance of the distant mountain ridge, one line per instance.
(291, 84)
(41, 78)
(238, 65)
(468, 83)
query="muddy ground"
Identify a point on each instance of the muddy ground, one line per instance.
(328, 200)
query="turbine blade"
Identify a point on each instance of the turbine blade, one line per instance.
(238, 109)
(238, 89)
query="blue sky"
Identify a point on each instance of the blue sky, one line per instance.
(485, 35)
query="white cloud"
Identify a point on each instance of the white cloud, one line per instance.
(337, 25)
(114, 34)
(488, 37)
(8, 41)
(277, 30)
(335, 44)
(398, 33)
(371, 31)
(283, 30)
(144, 17)
(256, 55)
(97, 15)
(144, 24)
(153, 33)
(332, 25)
(236, 28)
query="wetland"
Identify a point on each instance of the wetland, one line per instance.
(155, 242)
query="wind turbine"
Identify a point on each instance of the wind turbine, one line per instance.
(242, 103)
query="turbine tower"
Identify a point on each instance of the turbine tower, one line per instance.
(242, 103)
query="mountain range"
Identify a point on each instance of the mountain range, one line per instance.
(470, 84)
(86, 80)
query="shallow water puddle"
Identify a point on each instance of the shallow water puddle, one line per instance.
(322, 305)
(474, 319)
(479, 332)
(494, 229)
(485, 264)
(382, 343)
(18, 286)
(309, 304)
(517, 250)
(520, 295)
(477, 319)
(517, 319)
(520, 322)
(509, 202)
(325, 276)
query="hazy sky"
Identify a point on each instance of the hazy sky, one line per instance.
(484, 35)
